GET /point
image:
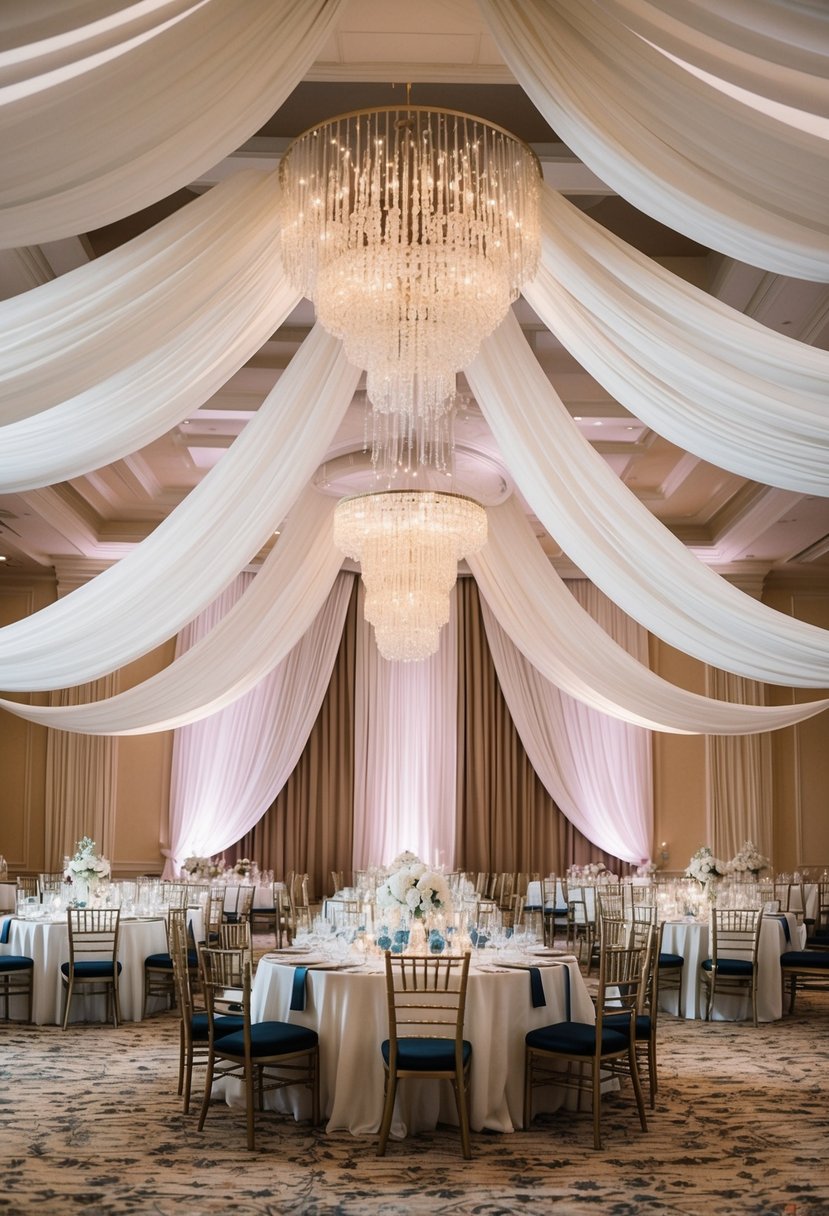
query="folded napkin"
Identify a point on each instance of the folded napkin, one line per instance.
(298, 988)
(5, 930)
(537, 987)
(784, 921)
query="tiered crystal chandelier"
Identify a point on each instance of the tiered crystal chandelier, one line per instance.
(412, 230)
(409, 543)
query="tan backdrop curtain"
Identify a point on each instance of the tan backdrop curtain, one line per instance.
(80, 780)
(309, 826)
(739, 775)
(506, 820)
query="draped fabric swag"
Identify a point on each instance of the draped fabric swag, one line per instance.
(228, 768)
(105, 109)
(699, 160)
(240, 649)
(616, 541)
(165, 581)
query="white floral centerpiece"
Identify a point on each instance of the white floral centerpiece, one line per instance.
(243, 867)
(86, 869)
(646, 869)
(415, 888)
(749, 860)
(705, 867)
(594, 871)
(202, 867)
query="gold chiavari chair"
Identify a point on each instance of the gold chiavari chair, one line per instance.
(93, 966)
(732, 967)
(49, 884)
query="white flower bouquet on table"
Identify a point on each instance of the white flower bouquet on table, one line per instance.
(749, 860)
(201, 867)
(416, 889)
(646, 869)
(704, 866)
(86, 867)
(405, 858)
(243, 867)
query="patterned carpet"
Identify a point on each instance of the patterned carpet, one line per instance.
(91, 1123)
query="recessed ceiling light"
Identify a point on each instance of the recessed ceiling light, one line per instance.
(577, 418)
(2, 558)
(598, 422)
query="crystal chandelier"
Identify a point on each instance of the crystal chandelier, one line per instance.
(409, 543)
(412, 230)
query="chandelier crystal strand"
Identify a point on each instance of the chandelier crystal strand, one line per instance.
(412, 230)
(408, 543)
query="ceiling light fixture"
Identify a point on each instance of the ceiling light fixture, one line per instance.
(408, 543)
(412, 230)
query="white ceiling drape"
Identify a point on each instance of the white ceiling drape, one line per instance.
(597, 769)
(772, 48)
(616, 541)
(228, 768)
(701, 374)
(231, 658)
(113, 354)
(566, 646)
(104, 109)
(195, 552)
(699, 160)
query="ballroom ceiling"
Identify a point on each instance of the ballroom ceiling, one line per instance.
(443, 49)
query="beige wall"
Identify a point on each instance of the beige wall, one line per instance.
(800, 762)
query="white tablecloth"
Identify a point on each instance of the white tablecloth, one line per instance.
(690, 939)
(47, 942)
(348, 1009)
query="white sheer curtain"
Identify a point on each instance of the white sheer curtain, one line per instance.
(228, 768)
(597, 769)
(699, 160)
(405, 751)
(103, 360)
(615, 540)
(167, 579)
(568, 648)
(227, 661)
(739, 776)
(704, 376)
(104, 109)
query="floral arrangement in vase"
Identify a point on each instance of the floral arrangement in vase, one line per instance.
(749, 860)
(594, 870)
(416, 889)
(704, 866)
(406, 858)
(646, 869)
(243, 867)
(86, 868)
(202, 867)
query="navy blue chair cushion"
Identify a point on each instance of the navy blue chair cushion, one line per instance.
(16, 962)
(814, 960)
(231, 918)
(643, 1024)
(730, 966)
(92, 969)
(671, 960)
(271, 1039)
(163, 962)
(227, 1025)
(426, 1055)
(576, 1038)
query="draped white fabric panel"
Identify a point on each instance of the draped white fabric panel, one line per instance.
(702, 162)
(704, 376)
(105, 109)
(615, 540)
(772, 48)
(167, 579)
(597, 769)
(568, 648)
(218, 308)
(230, 659)
(405, 751)
(228, 768)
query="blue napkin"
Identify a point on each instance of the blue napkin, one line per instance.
(6, 929)
(784, 921)
(537, 988)
(298, 989)
(567, 1011)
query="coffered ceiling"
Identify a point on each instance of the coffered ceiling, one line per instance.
(444, 50)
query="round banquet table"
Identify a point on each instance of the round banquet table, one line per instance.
(690, 939)
(347, 1006)
(47, 942)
